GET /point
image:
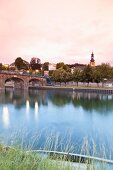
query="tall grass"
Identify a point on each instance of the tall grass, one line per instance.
(21, 157)
(15, 159)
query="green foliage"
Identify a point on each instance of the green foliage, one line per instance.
(35, 64)
(60, 75)
(0, 66)
(46, 66)
(105, 70)
(51, 73)
(97, 76)
(63, 66)
(87, 75)
(59, 65)
(66, 68)
(77, 75)
(15, 159)
(20, 64)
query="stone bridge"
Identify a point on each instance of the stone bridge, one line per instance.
(21, 80)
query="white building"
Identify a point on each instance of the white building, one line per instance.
(52, 66)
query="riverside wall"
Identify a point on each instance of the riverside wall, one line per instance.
(77, 89)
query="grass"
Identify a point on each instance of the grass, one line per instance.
(18, 159)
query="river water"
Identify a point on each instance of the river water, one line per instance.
(58, 120)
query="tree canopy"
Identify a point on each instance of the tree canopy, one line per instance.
(21, 64)
(46, 66)
(35, 64)
(89, 74)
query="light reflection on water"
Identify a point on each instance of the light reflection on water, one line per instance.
(77, 119)
(27, 108)
(36, 110)
(5, 117)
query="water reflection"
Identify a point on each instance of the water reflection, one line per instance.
(101, 103)
(36, 110)
(42, 111)
(27, 108)
(5, 116)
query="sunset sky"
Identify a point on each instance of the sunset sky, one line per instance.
(56, 30)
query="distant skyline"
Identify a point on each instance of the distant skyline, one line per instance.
(56, 30)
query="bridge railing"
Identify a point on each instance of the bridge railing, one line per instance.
(19, 73)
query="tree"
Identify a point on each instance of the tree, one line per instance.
(67, 76)
(46, 66)
(77, 76)
(97, 76)
(112, 72)
(63, 66)
(87, 75)
(21, 64)
(59, 65)
(66, 68)
(60, 75)
(105, 70)
(0, 66)
(35, 64)
(56, 75)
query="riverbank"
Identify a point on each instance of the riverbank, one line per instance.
(103, 90)
(18, 159)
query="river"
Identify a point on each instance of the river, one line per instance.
(58, 120)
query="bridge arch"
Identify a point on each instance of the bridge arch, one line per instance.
(21, 81)
(35, 82)
(15, 82)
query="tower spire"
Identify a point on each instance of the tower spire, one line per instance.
(92, 61)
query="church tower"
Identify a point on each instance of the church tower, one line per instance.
(92, 61)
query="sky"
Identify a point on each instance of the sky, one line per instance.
(56, 30)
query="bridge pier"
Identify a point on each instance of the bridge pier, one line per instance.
(43, 82)
(21, 85)
(26, 85)
(2, 84)
(20, 81)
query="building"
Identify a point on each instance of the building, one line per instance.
(108, 82)
(52, 66)
(46, 73)
(92, 61)
(6, 66)
(76, 66)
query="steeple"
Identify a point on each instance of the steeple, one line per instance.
(92, 61)
(92, 57)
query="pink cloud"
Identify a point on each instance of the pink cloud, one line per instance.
(56, 30)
